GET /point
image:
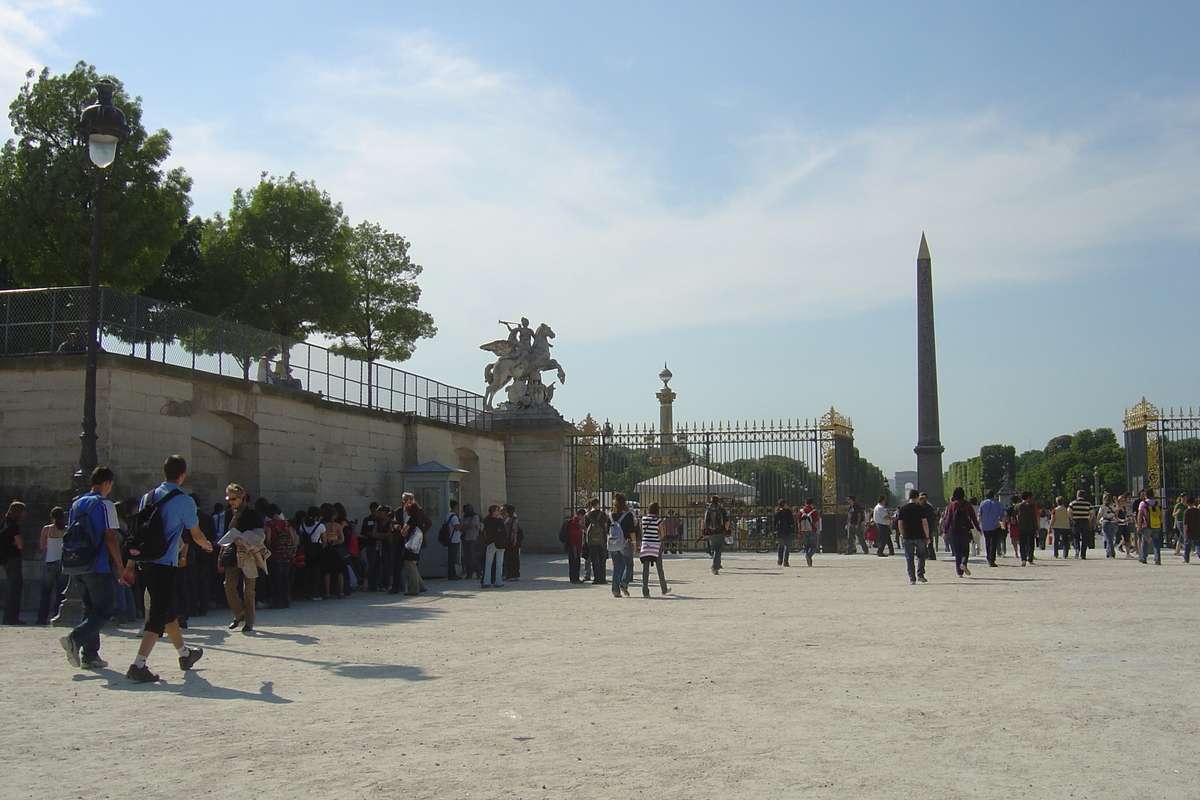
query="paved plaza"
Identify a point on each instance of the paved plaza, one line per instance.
(1065, 679)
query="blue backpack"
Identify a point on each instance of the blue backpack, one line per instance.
(79, 544)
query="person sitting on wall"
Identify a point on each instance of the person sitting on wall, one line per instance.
(266, 374)
(72, 344)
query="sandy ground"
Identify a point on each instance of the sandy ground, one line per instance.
(1066, 679)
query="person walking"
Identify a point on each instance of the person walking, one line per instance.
(243, 557)
(1027, 525)
(158, 576)
(1083, 521)
(883, 533)
(1123, 519)
(516, 536)
(991, 518)
(716, 528)
(1060, 526)
(1181, 506)
(418, 527)
(11, 547)
(784, 523)
(651, 550)
(855, 527)
(53, 580)
(959, 523)
(621, 539)
(1191, 529)
(915, 533)
(95, 586)
(1149, 523)
(808, 522)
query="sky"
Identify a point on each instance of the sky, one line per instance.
(737, 190)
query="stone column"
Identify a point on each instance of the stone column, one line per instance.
(929, 438)
(538, 472)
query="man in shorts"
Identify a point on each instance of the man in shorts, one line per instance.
(158, 576)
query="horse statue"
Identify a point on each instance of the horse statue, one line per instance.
(521, 358)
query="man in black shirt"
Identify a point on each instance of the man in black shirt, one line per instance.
(931, 514)
(855, 529)
(913, 524)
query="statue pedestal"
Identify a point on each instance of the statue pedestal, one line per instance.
(538, 468)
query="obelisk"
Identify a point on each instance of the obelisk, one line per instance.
(929, 436)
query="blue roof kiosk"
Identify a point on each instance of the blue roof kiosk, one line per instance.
(434, 484)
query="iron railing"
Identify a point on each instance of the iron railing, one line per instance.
(42, 321)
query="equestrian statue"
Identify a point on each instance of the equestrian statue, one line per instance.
(521, 359)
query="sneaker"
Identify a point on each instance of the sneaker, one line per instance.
(922, 579)
(140, 674)
(72, 651)
(188, 661)
(808, 558)
(625, 591)
(912, 583)
(93, 663)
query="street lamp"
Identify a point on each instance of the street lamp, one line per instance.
(1096, 485)
(101, 126)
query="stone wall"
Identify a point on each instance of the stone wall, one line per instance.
(290, 446)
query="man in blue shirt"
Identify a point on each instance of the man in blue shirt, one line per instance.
(990, 514)
(158, 576)
(96, 585)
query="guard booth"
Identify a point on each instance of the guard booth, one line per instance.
(434, 485)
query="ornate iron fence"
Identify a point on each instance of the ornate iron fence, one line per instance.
(43, 321)
(752, 465)
(1162, 450)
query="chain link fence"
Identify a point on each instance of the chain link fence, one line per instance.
(44, 321)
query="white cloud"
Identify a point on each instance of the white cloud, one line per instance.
(517, 197)
(27, 28)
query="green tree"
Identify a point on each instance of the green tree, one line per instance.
(383, 320)
(278, 261)
(46, 190)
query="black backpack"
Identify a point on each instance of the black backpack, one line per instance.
(960, 522)
(147, 540)
(445, 535)
(79, 545)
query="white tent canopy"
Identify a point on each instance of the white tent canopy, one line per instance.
(695, 480)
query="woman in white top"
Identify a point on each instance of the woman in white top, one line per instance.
(53, 580)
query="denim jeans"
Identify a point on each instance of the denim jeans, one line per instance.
(960, 544)
(1188, 546)
(1062, 537)
(856, 535)
(53, 583)
(716, 543)
(454, 561)
(914, 558)
(280, 578)
(1109, 531)
(785, 549)
(125, 609)
(96, 590)
(808, 541)
(621, 571)
(597, 555)
(1152, 541)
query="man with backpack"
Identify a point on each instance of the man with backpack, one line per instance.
(595, 527)
(172, 513)
(95, 516)
(1150, 525)
(716, 527)
(808, 522)
(282, 540)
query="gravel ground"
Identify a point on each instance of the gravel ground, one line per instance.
(1065, 679)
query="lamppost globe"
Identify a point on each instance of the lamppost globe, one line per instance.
(102, 126)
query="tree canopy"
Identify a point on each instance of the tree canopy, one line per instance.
(46, 190)
(383, 320)
(278, 261)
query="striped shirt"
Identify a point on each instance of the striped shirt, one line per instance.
(1081, 510)
(651, 543)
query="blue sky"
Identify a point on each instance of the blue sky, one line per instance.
(736, 189)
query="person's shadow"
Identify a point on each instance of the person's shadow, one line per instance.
(194, 685)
